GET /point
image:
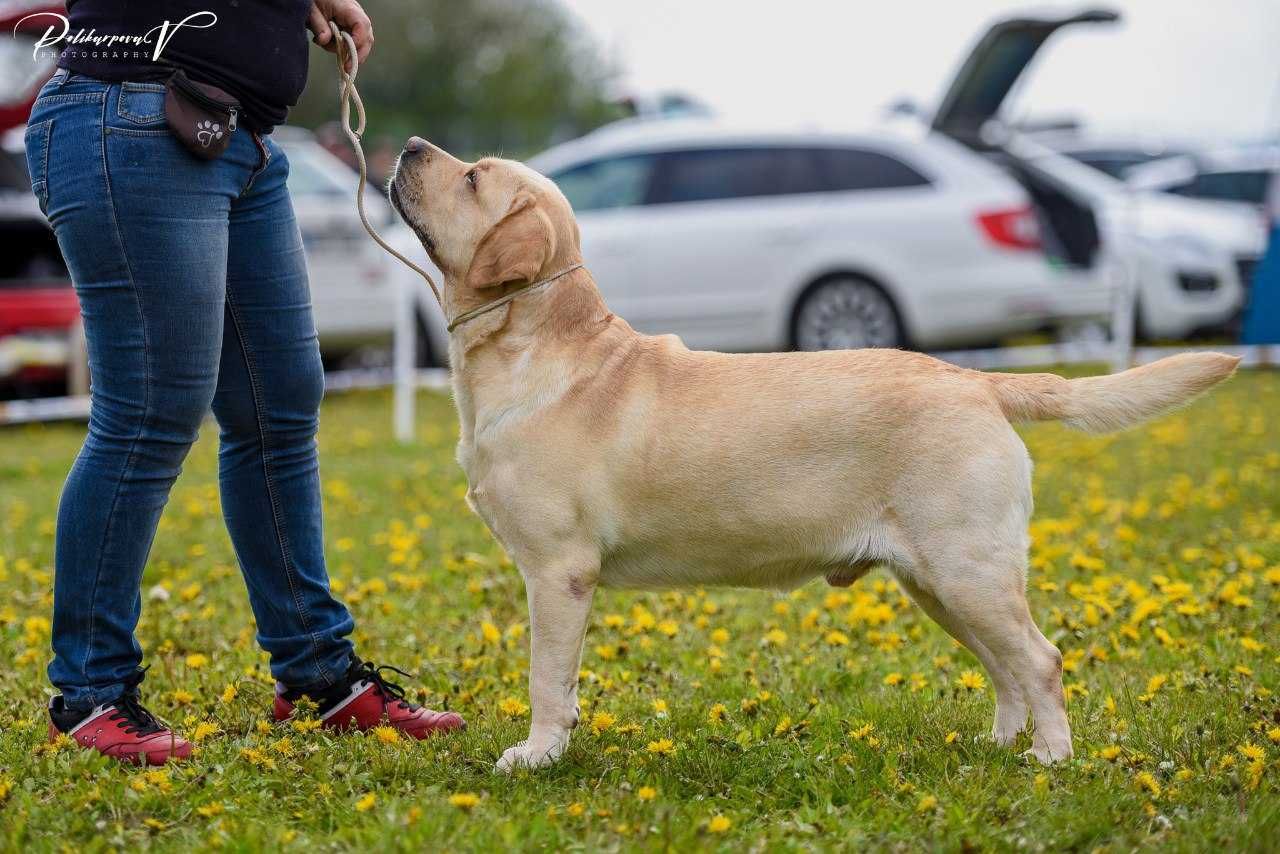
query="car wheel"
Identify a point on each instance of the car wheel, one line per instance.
(846, 313)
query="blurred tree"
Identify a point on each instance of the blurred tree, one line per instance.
(473, 76)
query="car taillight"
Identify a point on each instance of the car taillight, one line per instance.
(1013, 228)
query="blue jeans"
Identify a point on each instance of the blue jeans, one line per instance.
(193, 287)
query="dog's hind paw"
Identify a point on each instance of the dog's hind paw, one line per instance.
(533, 753)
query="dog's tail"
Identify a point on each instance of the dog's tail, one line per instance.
(1114, 402)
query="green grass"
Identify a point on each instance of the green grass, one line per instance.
(1157, 554)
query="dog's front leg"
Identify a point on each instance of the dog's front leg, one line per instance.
(559, 605)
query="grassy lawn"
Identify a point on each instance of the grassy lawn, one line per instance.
(712, 719)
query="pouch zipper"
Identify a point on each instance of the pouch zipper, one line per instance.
(199, 96)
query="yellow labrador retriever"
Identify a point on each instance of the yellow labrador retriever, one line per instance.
(597, 455)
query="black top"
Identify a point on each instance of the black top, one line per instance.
(255, 49)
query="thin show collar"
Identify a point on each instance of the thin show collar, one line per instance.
(472, 314)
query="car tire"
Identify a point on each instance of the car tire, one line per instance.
(845, 313)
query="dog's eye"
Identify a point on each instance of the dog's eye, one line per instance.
(471, 178)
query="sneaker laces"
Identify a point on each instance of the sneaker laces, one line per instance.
(370, 672)
(129, 712)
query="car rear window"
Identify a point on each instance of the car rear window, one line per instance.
(860, 169)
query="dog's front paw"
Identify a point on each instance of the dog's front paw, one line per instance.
(532, 753)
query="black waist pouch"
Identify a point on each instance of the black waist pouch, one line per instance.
(202, 117)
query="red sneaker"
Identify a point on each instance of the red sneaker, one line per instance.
(123, 730)
(363, 699)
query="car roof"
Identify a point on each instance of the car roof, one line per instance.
(638, 135)
(1246, 158)
(1240, 159)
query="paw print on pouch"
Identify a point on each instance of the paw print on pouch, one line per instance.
(207, 132)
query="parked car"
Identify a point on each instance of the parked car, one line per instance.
(1238, 176)
(1184, 259)
(743, 239)
(38, 307)
(352, 293)
(1230, 184)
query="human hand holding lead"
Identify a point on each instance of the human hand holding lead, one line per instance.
(349, 16)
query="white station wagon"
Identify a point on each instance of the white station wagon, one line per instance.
(769, 240)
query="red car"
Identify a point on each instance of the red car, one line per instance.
(39, 314)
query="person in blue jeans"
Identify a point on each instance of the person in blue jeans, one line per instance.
(193, 286)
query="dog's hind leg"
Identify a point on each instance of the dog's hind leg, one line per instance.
(989, 601)
(560, 593)
(1011, 706)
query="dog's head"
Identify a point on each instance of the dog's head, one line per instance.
(486, 223)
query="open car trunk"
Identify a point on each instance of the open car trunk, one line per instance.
(969, 111)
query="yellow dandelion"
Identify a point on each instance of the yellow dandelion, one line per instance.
(894, 679)
(601, 721)
(513, 708)
(490, 632)
(465, 801)
(647, 793)
(662, 747)
(716, 714)
(782, 726)
(719, 824)
(229, 693)
(575, 809)
(660, 707)
(927, 803)
(837, 638)
(775, 637)
(971, 680)
(203, 730)
(196, 660)
(1146, 781)
(386, 734)
(952, 737)
(210, 810)
(366, 803)
(1252, 751)
(1110, 753)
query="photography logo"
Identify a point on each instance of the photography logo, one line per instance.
(58, 38)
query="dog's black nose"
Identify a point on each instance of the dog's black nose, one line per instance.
(416, 145)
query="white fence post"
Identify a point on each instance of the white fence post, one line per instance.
(404, 359)
(1122, 319)
(77, 361)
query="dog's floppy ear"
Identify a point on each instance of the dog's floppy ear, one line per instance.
(515, 248)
